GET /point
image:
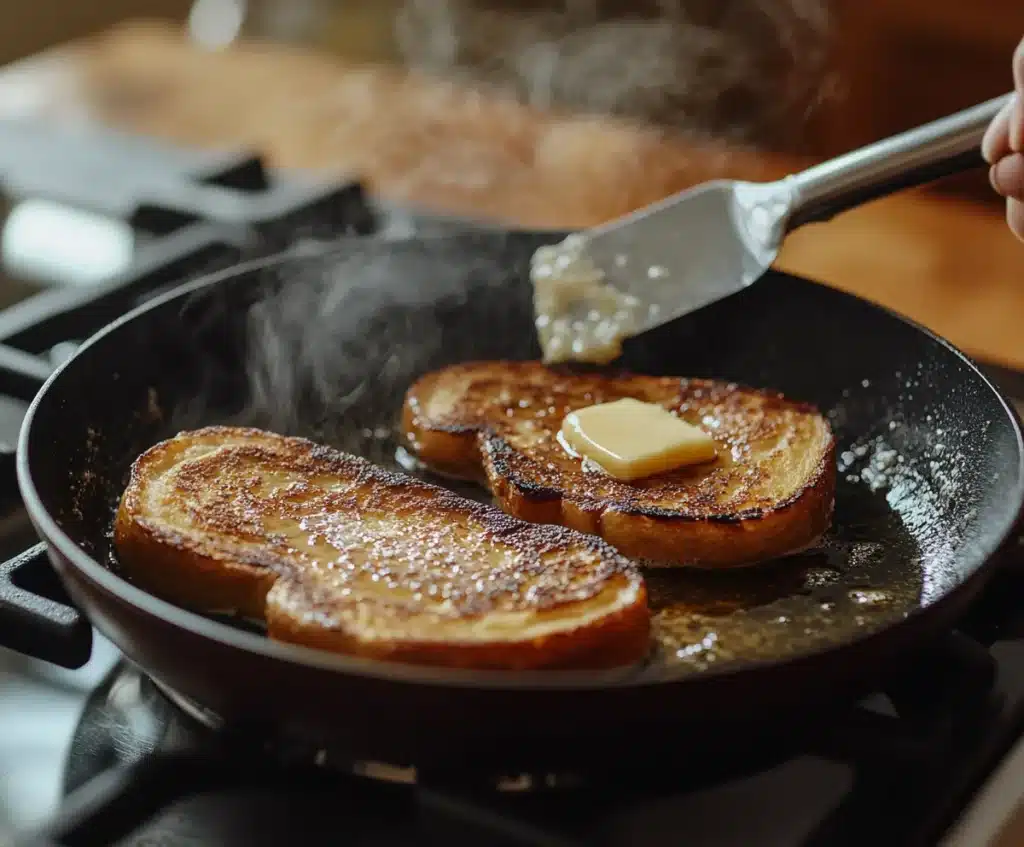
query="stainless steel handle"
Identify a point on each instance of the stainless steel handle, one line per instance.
(940, 148)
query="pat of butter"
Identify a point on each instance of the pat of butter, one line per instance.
(630, 440)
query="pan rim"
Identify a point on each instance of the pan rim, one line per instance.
(321, 660)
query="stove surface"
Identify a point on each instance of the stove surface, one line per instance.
(128, 767)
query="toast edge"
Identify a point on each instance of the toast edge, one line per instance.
(174, 566)
(619, 638)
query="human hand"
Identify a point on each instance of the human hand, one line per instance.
(1003, 149)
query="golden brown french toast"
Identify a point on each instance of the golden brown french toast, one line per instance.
(336, 553)
(769, 491)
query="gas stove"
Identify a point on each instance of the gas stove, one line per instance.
(134, 764)
(896, 769)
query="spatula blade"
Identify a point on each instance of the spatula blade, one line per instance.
(700, 246)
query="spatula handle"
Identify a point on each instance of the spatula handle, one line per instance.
(937, 149)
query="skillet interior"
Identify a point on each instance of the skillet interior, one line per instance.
(930, 460)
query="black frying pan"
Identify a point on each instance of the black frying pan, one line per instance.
(324, 344)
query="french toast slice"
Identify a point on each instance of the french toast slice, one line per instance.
(336, 553)
(768, 493)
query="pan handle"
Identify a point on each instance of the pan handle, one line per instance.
(36, 618)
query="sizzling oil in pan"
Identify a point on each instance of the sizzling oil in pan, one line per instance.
(874, 567)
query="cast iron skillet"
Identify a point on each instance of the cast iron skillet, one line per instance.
(324, 344)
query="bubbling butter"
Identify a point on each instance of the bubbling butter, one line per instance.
(629, 439)
(578, 315)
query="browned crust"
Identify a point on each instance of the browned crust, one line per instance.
(476, 448)
(618, 639)
(205, 571)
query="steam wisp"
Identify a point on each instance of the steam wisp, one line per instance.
(748, 71)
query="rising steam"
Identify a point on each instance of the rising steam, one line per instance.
(338, 337)
(749, 70)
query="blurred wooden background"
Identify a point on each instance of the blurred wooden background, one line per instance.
(951, 264)
(902, 62)
(891, 63)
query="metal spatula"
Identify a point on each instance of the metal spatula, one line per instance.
(699, 246)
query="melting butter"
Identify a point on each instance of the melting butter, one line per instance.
(629, 439)
(578, 315)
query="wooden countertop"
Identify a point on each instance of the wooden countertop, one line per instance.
(950, 265)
